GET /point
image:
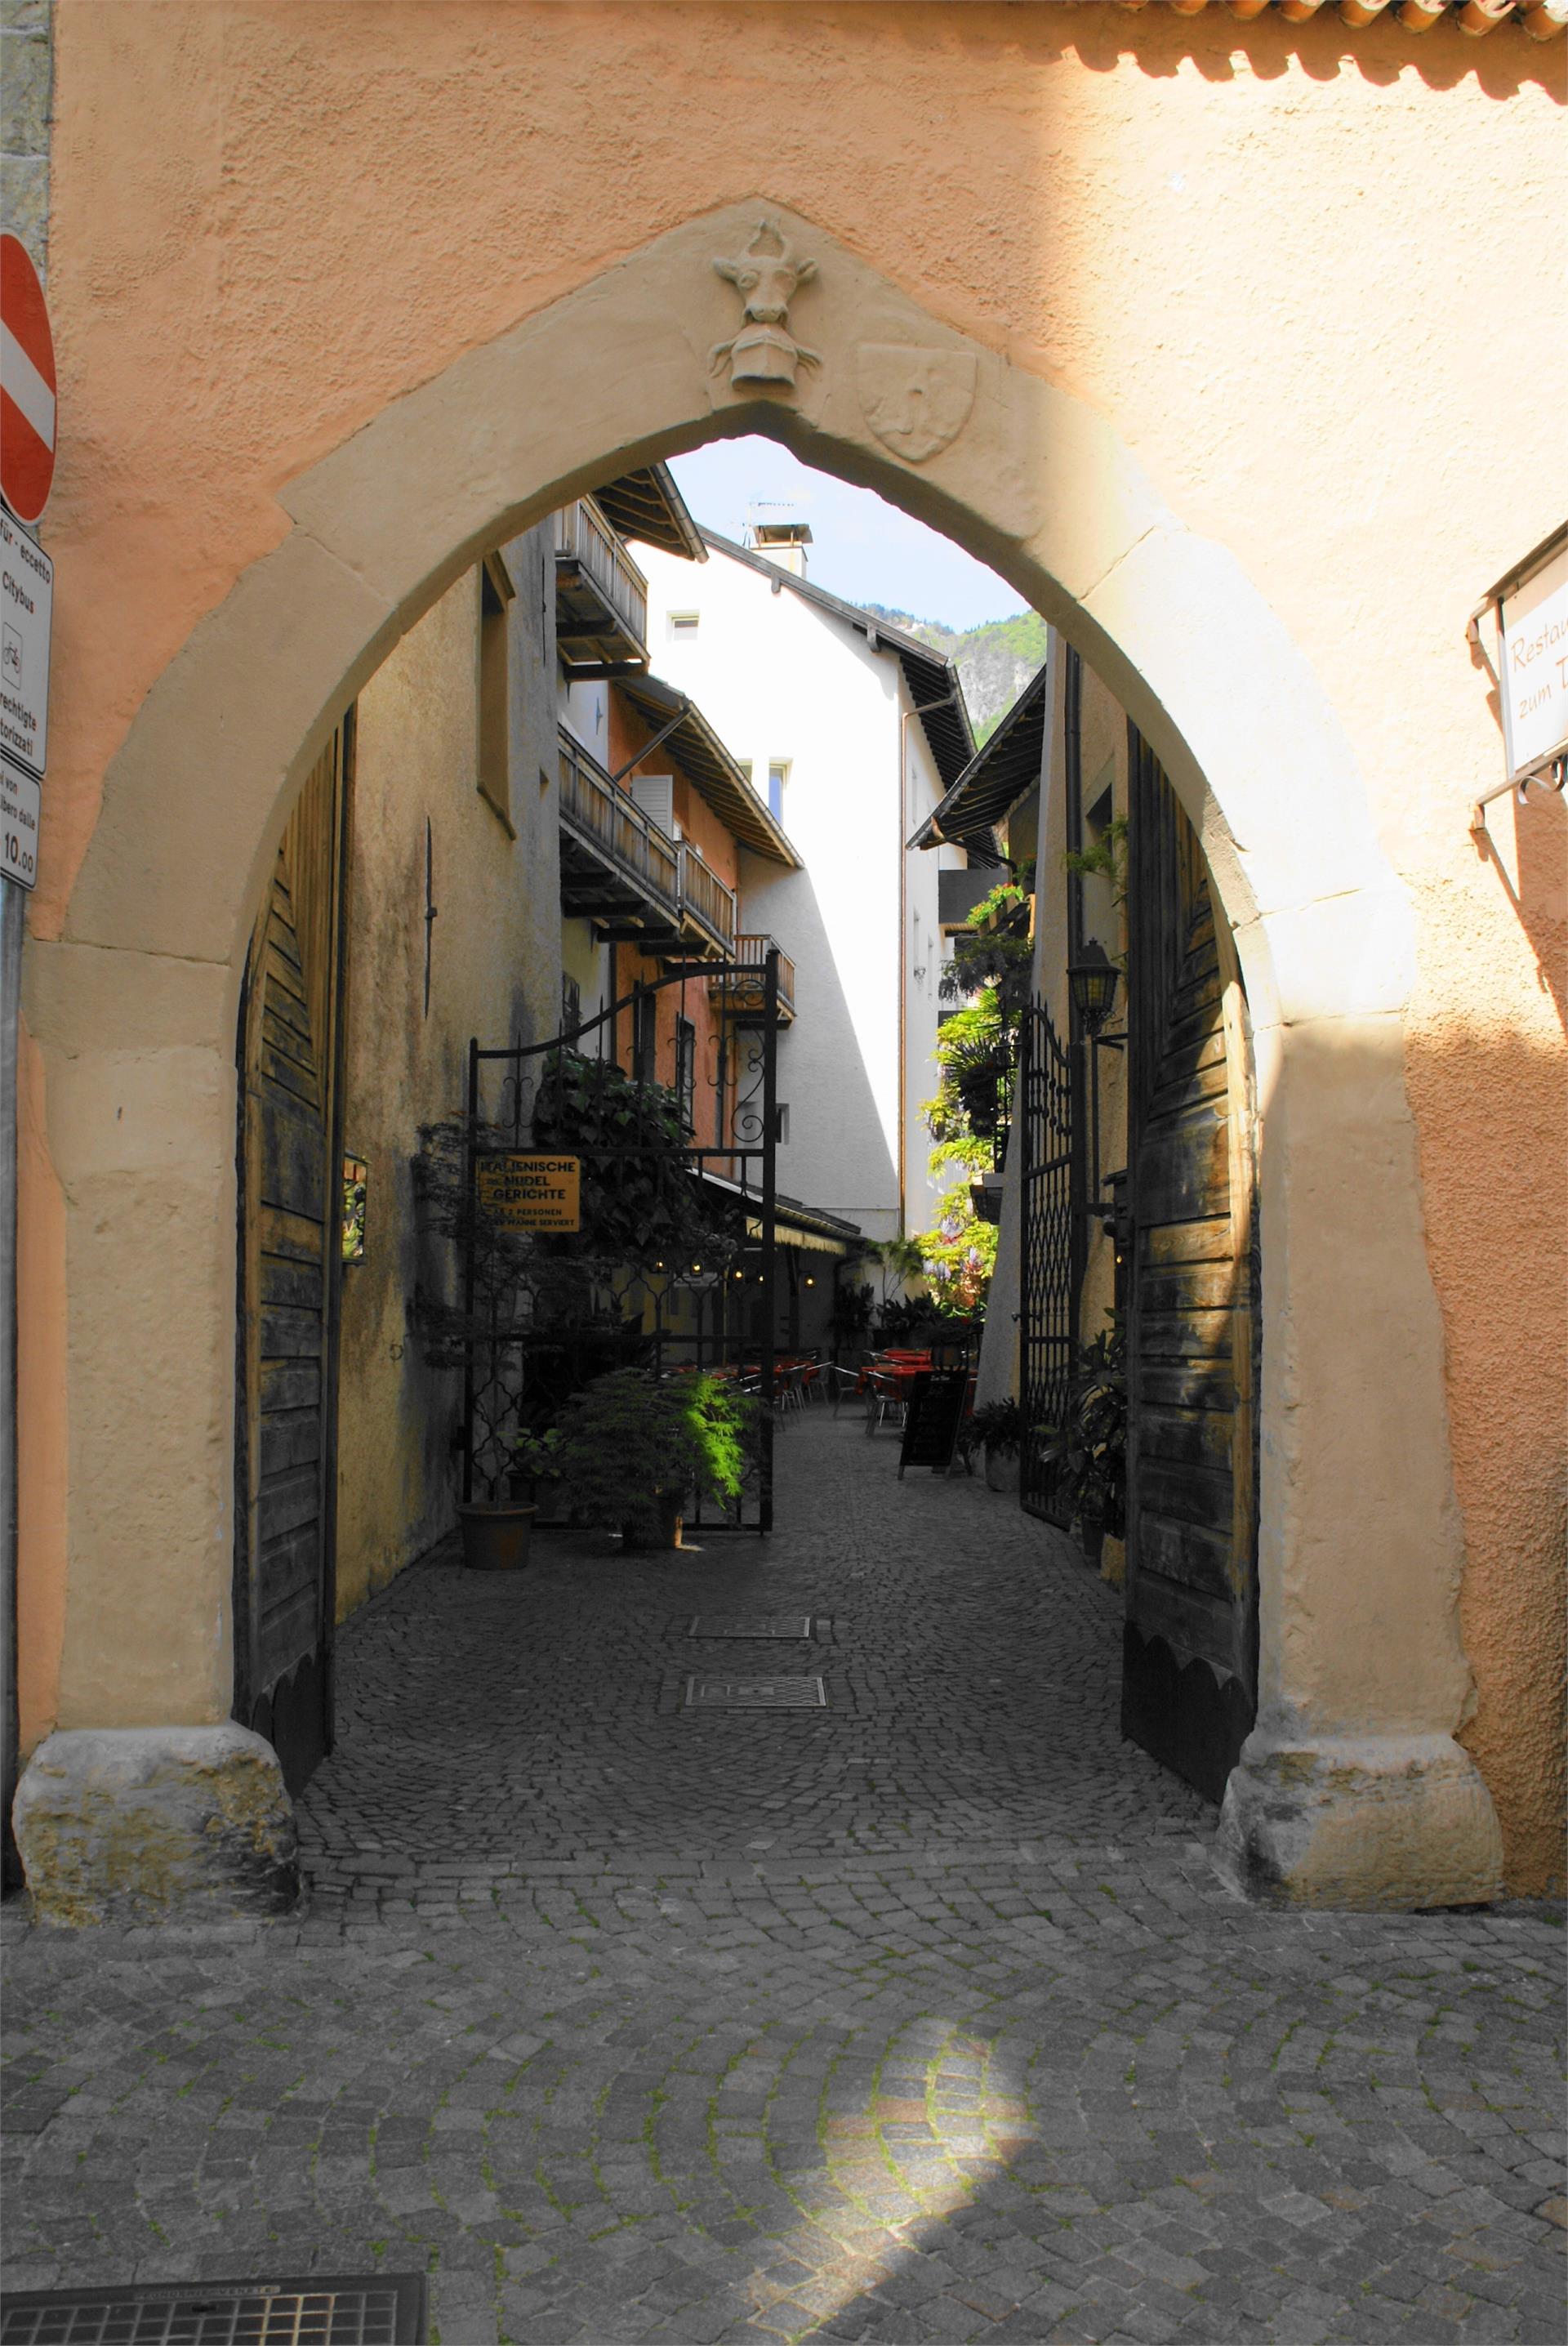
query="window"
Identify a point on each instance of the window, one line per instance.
(686, 1071)
(644, 1038)
(571, 1005)
(683, 623)
(777, 779)
(495, 591)
(1099, 913)
(781, 1123)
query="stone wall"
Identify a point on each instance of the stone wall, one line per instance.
(26, 93)
(495, 972)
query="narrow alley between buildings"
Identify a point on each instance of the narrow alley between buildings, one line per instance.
(917, 2014)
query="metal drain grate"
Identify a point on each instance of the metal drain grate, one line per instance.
(750, 1625)
(755, 1694)
(374, 2309)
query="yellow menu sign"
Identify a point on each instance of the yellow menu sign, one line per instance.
(526, 1190)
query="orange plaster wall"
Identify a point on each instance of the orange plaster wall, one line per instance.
(266, 222)
(1490, 1089)
(705, 833)
(42, 1461)
(270, 218)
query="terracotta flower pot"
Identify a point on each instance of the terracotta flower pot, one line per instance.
(635, 1543)
(495, 1538)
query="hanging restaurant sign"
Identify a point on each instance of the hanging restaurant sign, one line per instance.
(1535, 666)
(527, 1190)
(1527, 612)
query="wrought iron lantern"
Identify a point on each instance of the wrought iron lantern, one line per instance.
(1092, 982)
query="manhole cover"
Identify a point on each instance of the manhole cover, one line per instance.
(755, 1694)
(379, 2309)
(750, 1625)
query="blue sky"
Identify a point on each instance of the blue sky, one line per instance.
(861, 548)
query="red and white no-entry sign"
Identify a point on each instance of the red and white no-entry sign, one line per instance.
(27, 385)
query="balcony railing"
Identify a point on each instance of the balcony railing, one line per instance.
(593, 807)
(705, 898)
(742, 989)
(602, 597)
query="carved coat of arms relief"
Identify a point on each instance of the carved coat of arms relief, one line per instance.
(915, 400)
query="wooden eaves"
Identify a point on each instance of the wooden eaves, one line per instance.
(995, 778)
(708, 766)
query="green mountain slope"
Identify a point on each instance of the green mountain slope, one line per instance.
(995, 661)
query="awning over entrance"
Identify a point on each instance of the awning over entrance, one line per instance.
(795, 1231)
(795, 1225)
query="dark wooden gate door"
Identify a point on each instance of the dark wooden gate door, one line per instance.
(289, 1264)
(1052, 1231)
(1189, 1669)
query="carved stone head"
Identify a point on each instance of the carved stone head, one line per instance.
(765, 276)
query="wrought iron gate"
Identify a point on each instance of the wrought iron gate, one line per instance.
(693, 1288)
(1052, 1251)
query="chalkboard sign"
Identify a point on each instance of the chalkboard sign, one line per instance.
(933, 1419)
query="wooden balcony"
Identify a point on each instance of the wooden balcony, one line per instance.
(741, 990)
(601, 597)
(616, 866)
(707, 905)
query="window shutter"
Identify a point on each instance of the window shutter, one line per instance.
(655, 794)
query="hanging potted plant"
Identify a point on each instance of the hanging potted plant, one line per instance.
(634, 1446)
(1087, 1453)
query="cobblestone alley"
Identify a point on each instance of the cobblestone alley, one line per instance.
(918, 2017)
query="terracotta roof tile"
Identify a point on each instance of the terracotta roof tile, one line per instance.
(1544, 20)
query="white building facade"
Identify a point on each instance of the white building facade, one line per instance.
(853, 730)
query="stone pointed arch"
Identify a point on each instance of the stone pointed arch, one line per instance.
(1352, 1785)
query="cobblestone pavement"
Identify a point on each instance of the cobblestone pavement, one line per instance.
(920, 2017)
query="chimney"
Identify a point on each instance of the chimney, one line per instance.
(781, 541)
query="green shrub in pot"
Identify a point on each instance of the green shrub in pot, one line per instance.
(634, 1446)
(995, 1427)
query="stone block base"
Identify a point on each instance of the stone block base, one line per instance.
(1380, 1821)
(156, 1824)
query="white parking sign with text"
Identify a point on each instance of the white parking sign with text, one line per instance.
(26, 602)
(20, 804)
